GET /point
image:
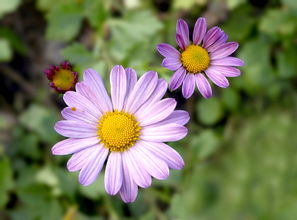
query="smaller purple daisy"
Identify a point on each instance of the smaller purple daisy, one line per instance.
(62, 78)
(208, 55)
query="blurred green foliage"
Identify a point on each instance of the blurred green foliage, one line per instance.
(240, 154)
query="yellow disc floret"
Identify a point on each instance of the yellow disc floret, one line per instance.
(195, 59)
(118, 130)
(63, 79)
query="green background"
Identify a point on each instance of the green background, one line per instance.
(241, 150)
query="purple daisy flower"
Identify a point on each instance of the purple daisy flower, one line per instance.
(127, 130)
(208, 55)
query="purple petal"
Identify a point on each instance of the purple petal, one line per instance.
(188, 85)
(157, 94)
(131, 80)
(212, 36)
(91, 170)
(74, 114)
(93, 79)
(182, 34)
(163, 133)
(203, 86)
(113, 178)
(228, 71)
(155, 112)
(76, 100)
(73, 145)
(151, 163)
(167, 50)
(228, 61)
(218, 43)
(199, 30)
(142, 91)
(165, 153)
(75, 129)
(218, 78)
(138, 173)
(224, 50)
(177, 117)
(177, 79)
(129, 189)
(78, 160)
(171, 63)
(87, 92)
(118, 87)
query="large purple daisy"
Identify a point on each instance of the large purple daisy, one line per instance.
(129, 129)
(208, 55)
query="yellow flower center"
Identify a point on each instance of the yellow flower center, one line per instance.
(195, 59)
(63, 79)
(118, 130)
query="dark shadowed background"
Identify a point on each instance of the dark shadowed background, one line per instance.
(241, 151)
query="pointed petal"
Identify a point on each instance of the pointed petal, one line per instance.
(177, 79)
(94, 80)
(73, 145)
(165, 153)
(227, 61)
(118, 86)
(74, 114)
(167, 50)
(113, 178)
(76, 100)
(129, 189)
(138, 173)
(157, 94)
(182, 32)
(224, 50)
(78, 160)
(203, 86)
(199, 30)
(155, 112)
(152, 164)
(228, 71)
(188, 85)
(177, 117)
(218, 43)
(142, 91)
(212, 36)
(131, 80)
(171, 63)
(163, 133)
(218, 78)
(90, 171)
(75, 129)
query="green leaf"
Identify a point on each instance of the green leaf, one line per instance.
(278, 21)
(240, 23)
(6, 181)
(7, 6)
(209, 111)
(64, 22)
(187, 4)
(6, 52)
(95, 190)
(78, 54)
(14, 40)
(95, 12)
(136, 27)
(286, 62)
(257, 72)
(40, 120)
(234, 3)
(205, 143)
(231, 99)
